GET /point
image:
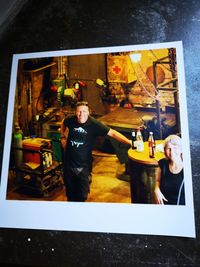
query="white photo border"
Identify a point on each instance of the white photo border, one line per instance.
(148, 219)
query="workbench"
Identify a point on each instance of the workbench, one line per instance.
(126, 120)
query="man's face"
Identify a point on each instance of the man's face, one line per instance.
(82, 113)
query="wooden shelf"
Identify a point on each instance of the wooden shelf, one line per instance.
(41, 68)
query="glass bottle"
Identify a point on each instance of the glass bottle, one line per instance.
(139, 140)
(133, 139)
(151, 144)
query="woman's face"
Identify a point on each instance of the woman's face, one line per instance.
(172, 151)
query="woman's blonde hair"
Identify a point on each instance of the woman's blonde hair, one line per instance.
(174, 140)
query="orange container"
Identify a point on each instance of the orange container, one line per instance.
(35, 144)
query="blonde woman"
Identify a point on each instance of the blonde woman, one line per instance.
(169, 187)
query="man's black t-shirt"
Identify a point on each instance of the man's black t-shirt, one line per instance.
(171, 185)
(81, 139)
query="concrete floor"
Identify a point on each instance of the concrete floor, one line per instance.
(105, 186)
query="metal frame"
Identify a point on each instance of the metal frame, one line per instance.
(163, 87)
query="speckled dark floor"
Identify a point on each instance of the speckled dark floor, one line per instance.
(54, 25)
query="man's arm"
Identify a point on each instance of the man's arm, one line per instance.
(64, 134)
(63, 130)
(118, 136)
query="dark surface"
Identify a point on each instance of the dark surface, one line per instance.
(54, 25)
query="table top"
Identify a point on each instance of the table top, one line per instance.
(129, 119)
(143, 157)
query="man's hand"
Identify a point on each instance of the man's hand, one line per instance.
(63, 142)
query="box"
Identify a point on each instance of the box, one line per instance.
(35, 144)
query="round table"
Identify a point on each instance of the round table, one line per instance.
(143, 171)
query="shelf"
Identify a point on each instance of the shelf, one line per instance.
(41, 68)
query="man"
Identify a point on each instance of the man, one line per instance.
(78, 135)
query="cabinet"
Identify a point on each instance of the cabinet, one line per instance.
(38, 170)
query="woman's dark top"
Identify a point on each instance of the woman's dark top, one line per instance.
(171, 185)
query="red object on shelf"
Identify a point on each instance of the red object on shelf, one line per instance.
(35, 144)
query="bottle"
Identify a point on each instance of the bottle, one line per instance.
(151, 144)
(43, 160)
(46, 155)
(17, 143)
(50, 159)
(133, 139)
(139, 141)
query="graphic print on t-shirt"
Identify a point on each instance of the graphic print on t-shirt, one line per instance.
(78, 137)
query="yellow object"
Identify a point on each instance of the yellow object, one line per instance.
(99, 82)
(69, 92)
(143, 157)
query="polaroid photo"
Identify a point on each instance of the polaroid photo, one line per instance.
(97, 141)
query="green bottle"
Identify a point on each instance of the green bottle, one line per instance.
(17, 143)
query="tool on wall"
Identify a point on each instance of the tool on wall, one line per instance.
(106, 95)
(68, 95)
